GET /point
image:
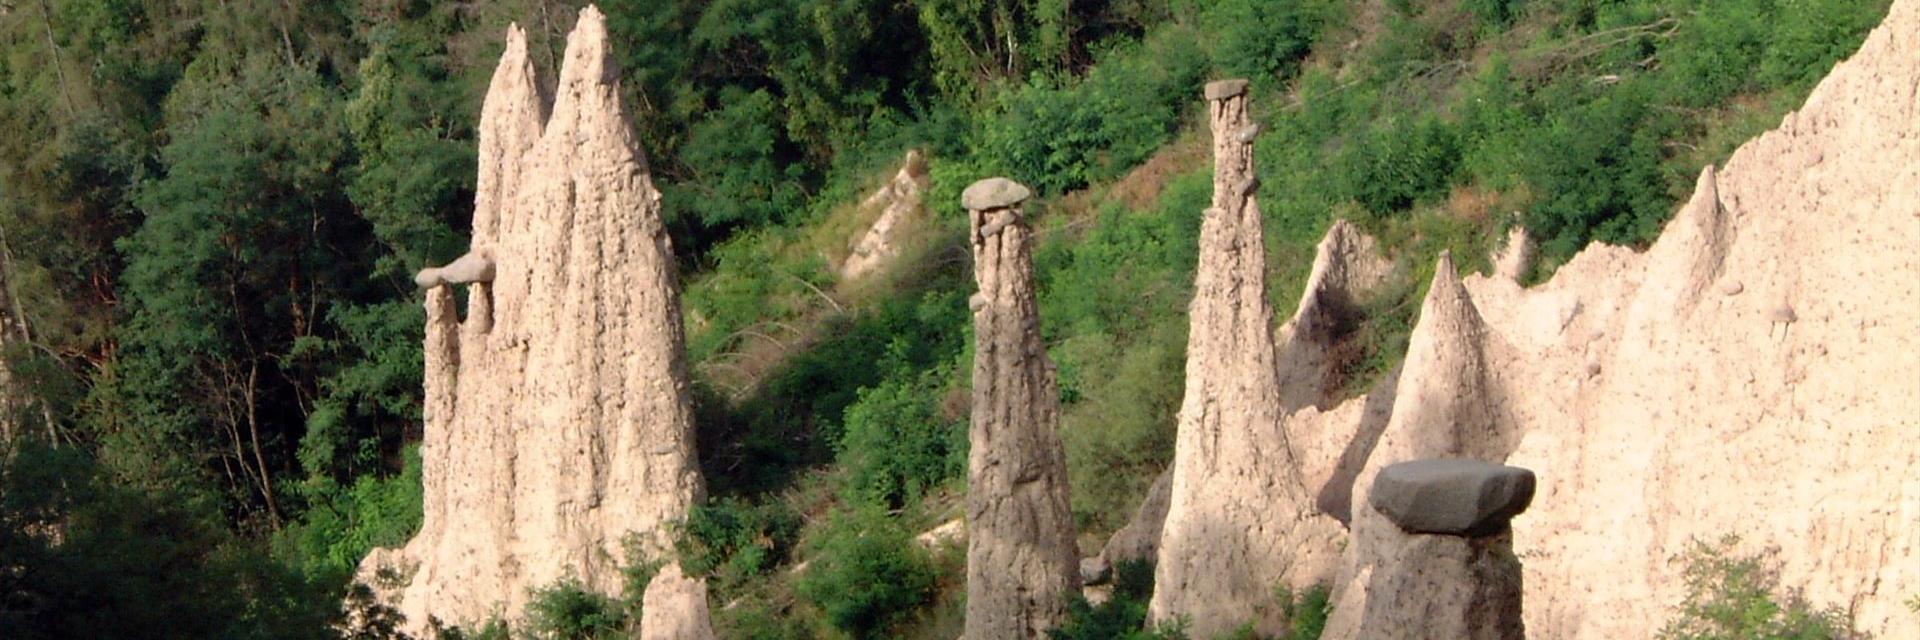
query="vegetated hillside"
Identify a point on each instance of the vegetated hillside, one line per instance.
(210, 213)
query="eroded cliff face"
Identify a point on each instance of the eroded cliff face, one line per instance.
(1022, 564)
(1241, 518)
(559, 438)
(1754, 372)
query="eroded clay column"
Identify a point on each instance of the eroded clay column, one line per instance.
(1240, 520)
(1022, 565)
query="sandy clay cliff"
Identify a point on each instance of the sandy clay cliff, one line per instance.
(1754, 372)
(559, 438)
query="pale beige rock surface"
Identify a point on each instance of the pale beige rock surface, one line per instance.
(686, 617)
(900, 204)
(1516, 256)
(1754, 372)
(1707, 416)
(1446, 588)
(1346, 265)
(558, 424)
(1447, 406)
(1022, 564)
(1241, 518)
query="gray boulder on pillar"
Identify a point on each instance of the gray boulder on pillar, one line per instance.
(1223, 89)
(994, 193)
(1451, 496)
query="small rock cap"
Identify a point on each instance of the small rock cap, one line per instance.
(994, 193)
(1451, 496)
(1223, 89)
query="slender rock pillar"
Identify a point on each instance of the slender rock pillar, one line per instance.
(1241, 519)
(1022, 565)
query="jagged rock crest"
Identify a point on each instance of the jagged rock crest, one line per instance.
(1346, 265)
(1516, 256)
(1752, 373)
(1445, 407)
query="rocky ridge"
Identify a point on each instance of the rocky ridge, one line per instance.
(1751, 373)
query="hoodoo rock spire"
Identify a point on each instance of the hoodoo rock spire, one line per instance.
(559, 440)
(1022, 565)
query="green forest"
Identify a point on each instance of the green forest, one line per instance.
(210, 214)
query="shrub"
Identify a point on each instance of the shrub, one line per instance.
(1056, 135)
(1122, 616)
(1809, 37)
(1404, 163)
(866, 573)
(1306, 612)
(1731, 596)
(1597, 166)
(1255, 39)
(896, 446)
(733, 540)
(343, 523)
(1715, 55)
(568, 611)
(736, 153)
(1495, 14)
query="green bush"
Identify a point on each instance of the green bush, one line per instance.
(568, 611)
(1495, 14)
(896, 446)
(1058, 135)
(1403, 163)
(79, 554)
(1715, 55)
(743, 177)
(1123, 616)
(734, 541)
(342, 524)
(1306, 612)
(1260, 40)
(1810, 36)
(794, 417)
(866, 573)
(1731, 596)
(1597, 167)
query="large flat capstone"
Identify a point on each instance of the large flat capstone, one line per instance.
(1223, 89)
(1451, 496)
(994, 193)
